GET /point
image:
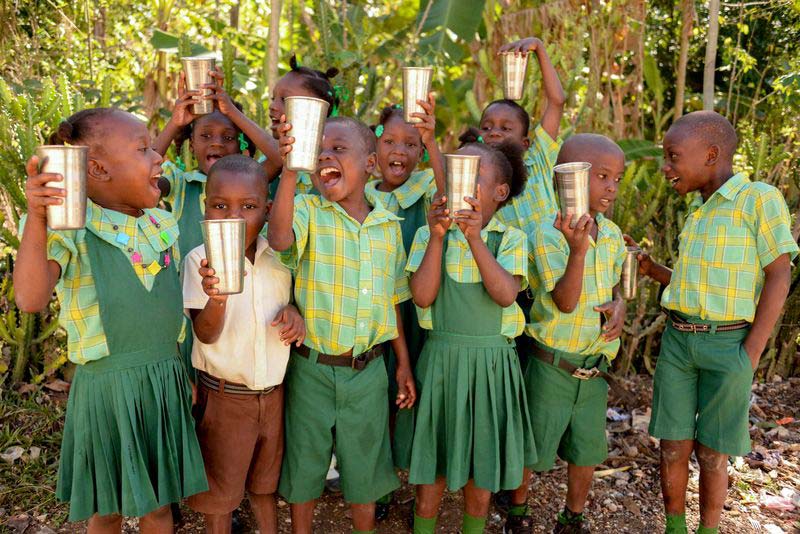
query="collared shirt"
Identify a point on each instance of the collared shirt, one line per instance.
(577, 332)
(537, 203)
(419, 185)
(461, 267)
(348, 275)
(249, 349)
(79, 311)
(177, 179)
(723, 249)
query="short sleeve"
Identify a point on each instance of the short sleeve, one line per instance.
(402, 291)
(60, 245)
(193, 295)
(773, 227)
(418, 247)
(550, 251)
(172, 174)
(543, 152)
(290, 258)
(513, 254)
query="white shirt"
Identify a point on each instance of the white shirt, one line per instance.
(249, 350)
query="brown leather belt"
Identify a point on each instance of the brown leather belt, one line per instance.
(223, 386)
(358, 363)
(697, 328)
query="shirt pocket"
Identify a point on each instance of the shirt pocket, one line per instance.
(729, 246)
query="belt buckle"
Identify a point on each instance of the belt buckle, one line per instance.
(581, 373)
(358, 363)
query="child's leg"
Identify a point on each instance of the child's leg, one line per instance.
(105, 524)
(579, 481)
(363, 517)
(476, 508)
(266, 512)
(429, 496)
(303, 517)
(158, 521)
(713, 484)
(519, 497)
(218, 523)
(675, 474)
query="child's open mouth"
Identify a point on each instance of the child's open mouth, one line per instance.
(212, 158)
(674, 181)
(154, 183)
(397, 168)
(330, 176)
(605, 201)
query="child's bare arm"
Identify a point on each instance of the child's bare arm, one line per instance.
(280, 232)
(181, 116)
(648, 267)
(208, 322)
(569, 287)
(35, 276)
(777, 279)
(425, 281)
(427, 130)
(406, 389)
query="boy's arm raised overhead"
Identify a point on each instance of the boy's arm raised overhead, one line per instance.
(280, 232)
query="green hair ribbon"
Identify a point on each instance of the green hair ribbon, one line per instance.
(243, 144)
(379, 130)
(340, 94)
(480, 139)
(425, 156)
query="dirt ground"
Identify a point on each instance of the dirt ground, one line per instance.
(625, 496)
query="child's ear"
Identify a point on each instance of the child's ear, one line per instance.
(95, 170)
(526, 143)
(501, 192)
(713, 155)
(372, 160)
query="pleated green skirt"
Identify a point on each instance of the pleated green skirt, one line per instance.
(129, 444)
(472, 418)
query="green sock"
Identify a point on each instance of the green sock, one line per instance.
(518, 510)
(386, 499)
(363, 531)
(707, 530)
(424, 525)
(473, 525)
(676, 524)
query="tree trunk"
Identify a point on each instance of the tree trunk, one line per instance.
(711, 55)
(688, 13)
(273, 43)
(234, 15)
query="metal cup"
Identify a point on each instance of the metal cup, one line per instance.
(514, 69)
(572, 184)
(630, 272)
(307, 117)
(462, 176)
(70, 162)
(416, 86)
(196, 69)
(224, 242)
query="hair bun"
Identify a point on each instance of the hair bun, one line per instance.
(470, 136)
(63, 134)
(293, 62)
(331, 72)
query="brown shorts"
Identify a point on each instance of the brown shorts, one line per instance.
(241, 437)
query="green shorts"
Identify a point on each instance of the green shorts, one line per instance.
(568, 414)
(701, 389)
(321, 400)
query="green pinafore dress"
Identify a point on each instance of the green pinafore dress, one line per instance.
(129, 444)
(472, 419)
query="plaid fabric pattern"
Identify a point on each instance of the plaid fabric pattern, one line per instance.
(537, 203)
(80, 311)
(177, 187)
(348, 276)
(723, 249)
(461, 267)
(577, 332)
(420, 184)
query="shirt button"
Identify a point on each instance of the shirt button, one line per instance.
(361, 324)
(365, 290)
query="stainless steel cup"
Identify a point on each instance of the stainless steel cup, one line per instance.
(630, 272)
(224, 242)
(572, 184)
(196, 69)
(514, 69)
(416, 86)
(462, 176)
(307, 117)
(70, 162)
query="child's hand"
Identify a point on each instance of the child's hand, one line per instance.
(37, 194)
(646, 263)
(285, 141)
(182, 112)
(471, 221)
(222, 100)
(523, 46)
(406, 389)
(615, 315)
(578, 237)
(439, 217)
(293, 328)
(209, 281)
(427, 128)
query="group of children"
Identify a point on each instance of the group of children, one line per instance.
(468, 348)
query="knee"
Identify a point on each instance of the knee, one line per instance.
(711, 460)
(675, 452)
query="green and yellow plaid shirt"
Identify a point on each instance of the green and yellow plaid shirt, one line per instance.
(177, 179)
(723, 249)
(348, 276)
(419, 185)
(77, 295)
(537, 203)
(461, 267)
(577, 332)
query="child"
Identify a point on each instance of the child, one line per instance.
(301, 81)
(577, 273)
(129, 445)
(240, 353)
(223, 132)
(505, 120)
(472, 426)
(349, 281)
(723, 298)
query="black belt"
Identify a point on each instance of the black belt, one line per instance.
(358, 363)
(582, 373)
(223, 386)
(698, 328)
